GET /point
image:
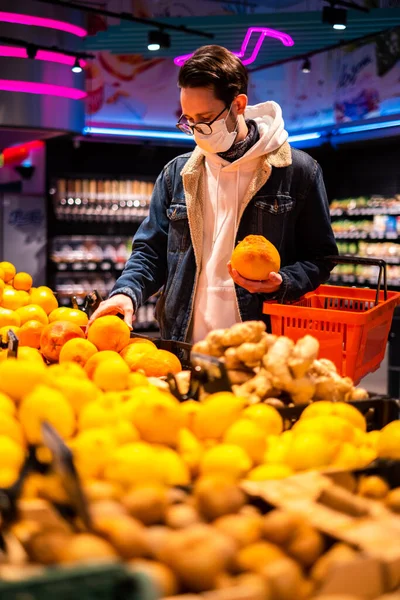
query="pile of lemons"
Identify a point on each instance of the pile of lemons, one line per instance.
(142, 434)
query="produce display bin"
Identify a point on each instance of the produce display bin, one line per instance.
(97, 582)
(351, 324)
(378, 411)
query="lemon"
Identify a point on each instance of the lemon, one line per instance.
(340, 409)
(159, 418)
(277, 451)
(216, 414)
(72, 369)
(190, 449)
(330, 427)
(249, 436)
(102, 412)
(347, 457)
(268, 472)
(366, 455)
(92, 449)
(372, 438)
(8, 477)
(12, 455)
(310, 451)
(137, 380)
(11, 428)
(175, 471)
(7, 405)
(49, 405)
(189, 410)
(79, 392)
(30, 354)
(226, 459)
(124, 432)
(134, 464)
(389, 441)
(266, 417)
(19, 377)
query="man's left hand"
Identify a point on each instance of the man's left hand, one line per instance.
(270, 285)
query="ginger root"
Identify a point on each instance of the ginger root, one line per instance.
(303, 355)
(276, 362)
(249, 331)
(260, 385)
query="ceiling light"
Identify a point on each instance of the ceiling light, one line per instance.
(77, 66)
(337, 17)
(306, 67)
(158, 39)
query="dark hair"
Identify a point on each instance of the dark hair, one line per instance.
(217, 68)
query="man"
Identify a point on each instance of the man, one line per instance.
(242, 178)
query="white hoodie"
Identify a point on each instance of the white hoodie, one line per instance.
(215, 304)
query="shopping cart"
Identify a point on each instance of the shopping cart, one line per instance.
(351, 324)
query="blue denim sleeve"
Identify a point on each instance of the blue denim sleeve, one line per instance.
(145, 271)
(314, 241)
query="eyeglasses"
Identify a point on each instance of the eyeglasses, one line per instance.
(204, 128)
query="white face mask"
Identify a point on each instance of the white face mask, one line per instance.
(220, 140)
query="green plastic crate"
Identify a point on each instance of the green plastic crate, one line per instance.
(97, 582)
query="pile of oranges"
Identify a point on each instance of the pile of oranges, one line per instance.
(58, 334)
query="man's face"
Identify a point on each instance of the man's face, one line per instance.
(199, 105)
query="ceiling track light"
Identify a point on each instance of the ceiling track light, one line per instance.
(158, 39)
(306, 67)
(337, 17)
(77, 66)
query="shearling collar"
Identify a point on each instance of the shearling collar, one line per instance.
(282, 157)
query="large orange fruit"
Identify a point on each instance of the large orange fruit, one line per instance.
(133, 353)
(77, 350)
(138, 340)
(69, 314)
(55, 335)
(109, 333)
(9, 317)
(255, 258)
(2, 285)
(97, 358)
(158, 363)
(29, 333)
(32, 312)
(22, 281)
(45, 298)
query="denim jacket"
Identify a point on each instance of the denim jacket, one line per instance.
(286, 202)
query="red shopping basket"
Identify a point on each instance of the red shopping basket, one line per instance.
(351, 324)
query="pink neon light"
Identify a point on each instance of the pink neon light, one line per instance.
(46, 89)
(21, 19)
(46, 55)
(264, 32)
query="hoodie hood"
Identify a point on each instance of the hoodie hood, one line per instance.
(271, 127)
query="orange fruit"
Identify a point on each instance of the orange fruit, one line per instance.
(138, 340)
(13, 299)
(7, 405)
(9, 271)
(59, 313)
(10, 427)
(19, 377)
(255, 258)
(4, 331)
(158, 363)
(77, 316)
(29, 334)
(2, 285)
(78, 392)
(46, 404)
(72, 369)
(29, 354)
(55, 335)
(109, 333)
(45, 298)
(77, 350)
(112, 375)
(9, 317)
(22, 281)
(97, 358)
(2, 274)
(132, 353)
(32, 312)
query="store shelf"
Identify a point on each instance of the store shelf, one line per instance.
(105, 266)
(365, 236)
(365, 212)
(361, 281)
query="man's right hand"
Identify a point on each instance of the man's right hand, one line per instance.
(118, 304)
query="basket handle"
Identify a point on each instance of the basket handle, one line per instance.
(362, 260)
